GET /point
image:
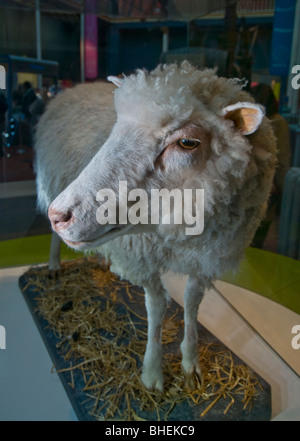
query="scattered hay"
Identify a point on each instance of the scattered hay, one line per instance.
(104, 339)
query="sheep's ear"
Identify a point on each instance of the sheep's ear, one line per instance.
(116, 80)
(246, 117)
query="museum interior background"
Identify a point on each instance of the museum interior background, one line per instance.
(54, 45)
(47, 46)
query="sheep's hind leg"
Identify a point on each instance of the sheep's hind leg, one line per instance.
(193, 295)
(156, 304)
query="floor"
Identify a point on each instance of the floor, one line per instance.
(29, 392)
(16, 164)
(257, 329)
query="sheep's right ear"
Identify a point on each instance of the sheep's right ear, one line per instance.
(246, 117)
(116, 80)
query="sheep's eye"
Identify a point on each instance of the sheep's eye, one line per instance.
(188, 144)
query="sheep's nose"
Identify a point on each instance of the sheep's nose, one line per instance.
(59, 220)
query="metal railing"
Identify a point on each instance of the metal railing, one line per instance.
(256, 6)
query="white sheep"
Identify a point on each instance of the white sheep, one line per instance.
(177, 128)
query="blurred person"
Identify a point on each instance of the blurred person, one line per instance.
(3, 109)
(37, 107)
(17, 103)
(263, 94)
(28, 102)
(28, 98)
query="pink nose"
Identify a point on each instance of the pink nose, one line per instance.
(59, 220)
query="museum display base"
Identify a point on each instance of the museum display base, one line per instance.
(127, 302)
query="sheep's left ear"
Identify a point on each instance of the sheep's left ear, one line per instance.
(116, 80)
(246, 117)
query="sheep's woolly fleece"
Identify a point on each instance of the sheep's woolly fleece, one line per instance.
(173, 90)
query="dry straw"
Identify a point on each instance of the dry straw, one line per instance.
(82, 308)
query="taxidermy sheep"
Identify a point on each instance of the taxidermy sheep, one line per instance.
(173, 128)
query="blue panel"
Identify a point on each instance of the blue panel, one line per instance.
(282, 37)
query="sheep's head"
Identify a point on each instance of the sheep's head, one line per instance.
(177, 128)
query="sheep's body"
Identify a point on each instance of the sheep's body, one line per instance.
(235, 172)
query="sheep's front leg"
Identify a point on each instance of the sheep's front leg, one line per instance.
(104, 264)
(54, 260)
(156, 298)
(193, 295)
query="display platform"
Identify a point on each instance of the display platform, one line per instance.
(92, 393)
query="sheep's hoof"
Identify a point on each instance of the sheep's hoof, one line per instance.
(153, 381)
(55, 274)
(104, 263)
(193, 380)
(193, 375)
